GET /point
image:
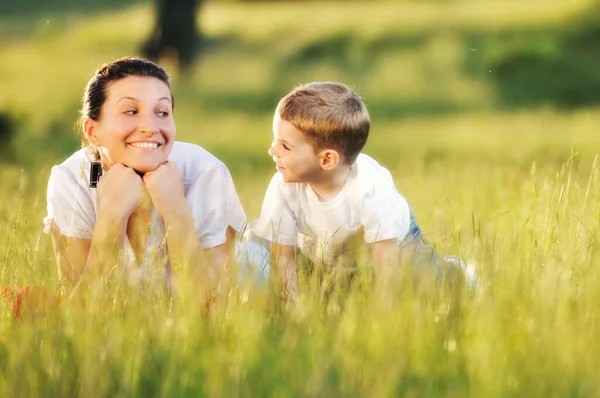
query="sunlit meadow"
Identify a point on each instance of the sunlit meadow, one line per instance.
(514, 192)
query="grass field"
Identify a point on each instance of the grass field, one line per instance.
(515, 191)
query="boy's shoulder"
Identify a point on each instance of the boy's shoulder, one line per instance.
(366, 164)
(367, 174)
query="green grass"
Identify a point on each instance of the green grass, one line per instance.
(515, 192)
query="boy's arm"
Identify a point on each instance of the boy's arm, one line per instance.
(277, 225)
(385, 217)
(283, 260)
(386, 256)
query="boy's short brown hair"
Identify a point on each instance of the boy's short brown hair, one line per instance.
(330, 114)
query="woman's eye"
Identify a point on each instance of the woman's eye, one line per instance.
(131, 112)
(163, 114)
(285, 147)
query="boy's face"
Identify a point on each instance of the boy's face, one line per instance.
(293, 154)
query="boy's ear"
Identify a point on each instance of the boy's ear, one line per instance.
(89, 130)
(329, 158)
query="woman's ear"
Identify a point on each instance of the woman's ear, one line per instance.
(329, 159)
(89, 130)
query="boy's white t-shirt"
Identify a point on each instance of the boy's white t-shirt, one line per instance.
(208, 188)
(293, 215)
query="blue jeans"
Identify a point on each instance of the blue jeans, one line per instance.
(422, 251)
(423, 255)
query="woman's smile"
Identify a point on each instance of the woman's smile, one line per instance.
(148, 146)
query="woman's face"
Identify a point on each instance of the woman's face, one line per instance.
(136, 126)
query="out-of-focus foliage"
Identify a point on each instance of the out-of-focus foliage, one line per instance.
(32, 8)
(559, 67)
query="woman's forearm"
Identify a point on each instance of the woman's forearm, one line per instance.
(183, 244)
(107, 243)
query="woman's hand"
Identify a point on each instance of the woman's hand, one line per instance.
(120, 191)
(165, 187)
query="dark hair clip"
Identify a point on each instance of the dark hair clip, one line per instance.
(95, 173)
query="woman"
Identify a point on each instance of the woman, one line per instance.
(159, 206)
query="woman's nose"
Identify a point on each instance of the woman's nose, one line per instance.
(149, 130)
(271, 151)
(148, 125)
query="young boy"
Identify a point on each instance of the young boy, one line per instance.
(326, 193)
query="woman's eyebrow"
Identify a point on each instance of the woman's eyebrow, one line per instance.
(126, 98)
(135, 99)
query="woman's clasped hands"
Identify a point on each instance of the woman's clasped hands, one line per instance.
(121, 191)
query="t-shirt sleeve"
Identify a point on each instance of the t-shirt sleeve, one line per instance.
(215, 206)
(385, 213)
(69, 204)
(276, 222)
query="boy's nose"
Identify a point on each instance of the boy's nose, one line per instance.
(271, 151)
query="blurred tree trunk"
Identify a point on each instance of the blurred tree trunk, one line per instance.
(8, 129)
(175, 32)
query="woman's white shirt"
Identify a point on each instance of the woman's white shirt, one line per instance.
(208, 188)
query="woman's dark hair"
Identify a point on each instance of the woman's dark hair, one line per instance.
(95, 91)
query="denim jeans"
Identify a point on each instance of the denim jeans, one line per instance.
(422, 251)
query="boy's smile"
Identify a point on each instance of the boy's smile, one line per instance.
(294, 156)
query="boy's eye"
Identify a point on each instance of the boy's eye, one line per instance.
(130, 112)
(163, 114)
(285, 147)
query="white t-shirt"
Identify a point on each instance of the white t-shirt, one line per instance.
(208, 188)
(293, 215)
